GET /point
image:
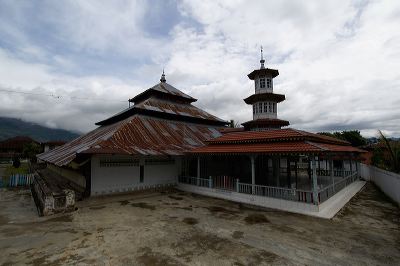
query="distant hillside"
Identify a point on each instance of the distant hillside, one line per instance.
(11, 127)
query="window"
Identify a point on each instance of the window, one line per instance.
(262, 83)
(274, 107)
(260, 107)
(256, 83)
(265, 107)
(269, 83)
(270, 107)
(254, 109)
(141, 173)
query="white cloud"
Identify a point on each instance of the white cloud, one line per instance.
(338, 63)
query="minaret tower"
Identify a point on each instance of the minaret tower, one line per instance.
(264, 100)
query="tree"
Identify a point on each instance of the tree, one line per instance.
(31, 150)
(233, 124)
(352, 136)
(16, 162)
(393, 149)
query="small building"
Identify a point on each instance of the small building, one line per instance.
(51, 145)
(14, 147)
(139, 148)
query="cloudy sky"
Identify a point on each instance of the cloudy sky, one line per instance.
(339, 64)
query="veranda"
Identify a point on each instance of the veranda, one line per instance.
(308, 178)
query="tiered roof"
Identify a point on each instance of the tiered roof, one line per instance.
(162, 122)
(286, 141)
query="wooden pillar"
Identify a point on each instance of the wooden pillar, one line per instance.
(351, 165)
(253, 174)
(295, 171)
(276, 169)
(314, 180)
(198, 170)
(332, 172)
(288, 173)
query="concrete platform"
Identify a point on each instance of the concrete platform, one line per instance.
(326, 210)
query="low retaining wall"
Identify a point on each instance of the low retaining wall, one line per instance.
(266, 202)
(387, 181)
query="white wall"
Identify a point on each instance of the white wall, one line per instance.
(113, 179)
(387, 181)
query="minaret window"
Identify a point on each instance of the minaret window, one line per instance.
(269, 83)
(254, 109)
(262, 83)
(265, 108)
(270, 107)
(260, 107)
(274, 107)
(256, 83)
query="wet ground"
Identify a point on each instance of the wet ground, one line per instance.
(178, 228)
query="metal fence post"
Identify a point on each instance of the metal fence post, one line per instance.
(210, 182)
(237, 184)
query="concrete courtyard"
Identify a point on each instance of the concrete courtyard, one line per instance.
(177, 228)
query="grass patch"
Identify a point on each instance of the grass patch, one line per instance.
(11, 170)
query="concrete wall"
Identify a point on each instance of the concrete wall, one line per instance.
(109, 176)
(286, 205)
(71, 175)
(387, 181)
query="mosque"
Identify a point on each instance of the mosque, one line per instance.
(163, 140)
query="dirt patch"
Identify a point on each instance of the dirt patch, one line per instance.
(256, 218)
(218, 209)
(97, 207)
(3, 220)
(124, 202)
(237, 234)
(185, 208)
(64, 219)
(143, 205)
(149, 257)
(190, 220)
(175, 197)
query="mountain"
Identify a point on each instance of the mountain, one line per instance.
(11, 127)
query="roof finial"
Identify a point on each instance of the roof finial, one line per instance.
(162, 79)
(262, 61)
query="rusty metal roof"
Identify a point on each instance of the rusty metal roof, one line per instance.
(166, 109)
(136, 135)
(275, 135)
(290, 147)
(163, 89)
(175, 108)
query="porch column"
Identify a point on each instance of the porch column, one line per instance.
(314, 180)
(332, 172)
(351, 165)
(198, 170)
(253, 174)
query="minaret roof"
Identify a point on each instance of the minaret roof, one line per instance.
(263, 71)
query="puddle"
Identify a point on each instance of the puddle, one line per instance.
(237, 234)
(124, 202)
(256, 218)
(190, 220)
(143, 205)
(175, 197)
(97, 207)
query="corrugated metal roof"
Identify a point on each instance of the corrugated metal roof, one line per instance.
(274, 148)
(175, 108)
(275, 135)
(136, 135)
